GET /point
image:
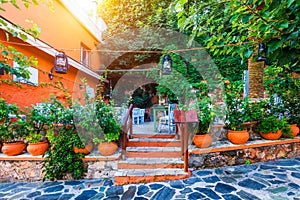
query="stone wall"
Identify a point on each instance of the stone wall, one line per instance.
(20, 170)
(238, 157)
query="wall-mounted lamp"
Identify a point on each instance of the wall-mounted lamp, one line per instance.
(166, 65)
(60, 64)
(261, 53)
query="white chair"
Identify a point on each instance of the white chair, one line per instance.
(167, 121)
(142, 116)
(136, 116)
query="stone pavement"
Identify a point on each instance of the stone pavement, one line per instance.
(278, 179)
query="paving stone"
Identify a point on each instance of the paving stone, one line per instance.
(211, 179)
(164, 193)
(195, 196)
(276, 182)
(186, 191)
(228, 179)
(224, 188)
(11, 186)
(231, 197)
(114, 190)
(49, 184)
(180, 196)
(102, 189)
(281, 176)
(73, 183)
(247, 196)
(140, 198)
(176, 184)
(279, 198)
(203, 173)
(149, 194)
(112, 198)
(263, 181)
(20, 189)
(54, 189)
(249, 183)
(264, 167)
(66, 196)
(296, 175)
(293, 185)
(34, 194)
(66, 190)
(191, 181)
(218, 171)
(290, 193)
(208, 192)
(129, 194)
(286, 162)
(278, 190)
(49, 197)
(86, 195)
(142, 189)
(108, 183)
(266, 176)
(279, 170)
(97, 196)
(155, 186)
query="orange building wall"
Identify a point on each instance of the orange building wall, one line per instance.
(28, 94)
(59, 29)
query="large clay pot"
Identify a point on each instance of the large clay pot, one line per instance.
(86, 150)
(107, 148)
(13, 149)
(272, 135)
(238, 137)
(202, 141)
(295, 130)
(37, 149)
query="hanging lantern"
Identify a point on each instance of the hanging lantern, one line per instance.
(166, 65)
(261, 53)
(61, 63)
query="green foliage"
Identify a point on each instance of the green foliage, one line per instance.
(279, 81)
(238, 108)
(110, 127)
(60, 159)
(11, 129)
(245, 24)
(272, 124)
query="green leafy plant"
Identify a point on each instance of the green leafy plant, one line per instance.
(60, 159)
(11, 129)
(238, 108)
(271, 124)
(110, 126)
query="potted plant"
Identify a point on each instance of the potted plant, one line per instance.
(110, 128)
(40, 119)
(87, 126)
(205, 116)
(13, 129)
(271, 127)
(282, 84)
(237, 112)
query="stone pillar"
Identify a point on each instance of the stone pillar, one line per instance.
(256, 78)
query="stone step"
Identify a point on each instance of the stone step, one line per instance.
(153, 152)
(130, 176)
(154, 142)
(159, 135)
(150, 163)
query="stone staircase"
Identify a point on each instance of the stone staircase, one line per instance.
(151, 158)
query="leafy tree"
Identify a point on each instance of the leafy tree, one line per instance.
(230, 27)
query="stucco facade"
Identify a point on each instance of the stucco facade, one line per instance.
(61, 30)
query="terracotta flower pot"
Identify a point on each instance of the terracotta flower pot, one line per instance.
(295, 130)
(13, 149)
(86, 150)
(202, 141)
(238, 137)
(37, 149)
(272, 135)
(107, 148)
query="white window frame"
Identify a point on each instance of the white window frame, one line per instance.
(84, 55)
(33, 77)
